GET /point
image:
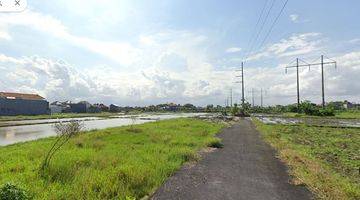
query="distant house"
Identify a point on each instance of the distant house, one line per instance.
(22, 104)
(348, 105)
(81, 107)
(101, 107)
(60, 107)
(55, 109)
(114, 108)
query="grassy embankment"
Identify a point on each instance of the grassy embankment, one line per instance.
(326, 160)
(56, 116)
(114, 163)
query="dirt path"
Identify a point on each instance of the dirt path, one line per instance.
(246, 168)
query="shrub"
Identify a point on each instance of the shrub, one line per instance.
(327, 112)
(65, 131)
(309, 108)
(11, 192)
(312, 109)
(235, 110)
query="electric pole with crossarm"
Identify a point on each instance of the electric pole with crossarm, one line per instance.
(322, 64)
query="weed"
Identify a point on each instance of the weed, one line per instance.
(215, 143)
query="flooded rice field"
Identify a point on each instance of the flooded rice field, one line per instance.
(19, 131)
(314, 121)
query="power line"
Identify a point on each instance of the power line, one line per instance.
(273, 24)
(256, 26)
(260, 30)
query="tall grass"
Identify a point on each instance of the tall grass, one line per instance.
(113, 163)
(324, 159)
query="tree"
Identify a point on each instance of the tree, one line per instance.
(209, 108)
(235, 110)
(65, 131)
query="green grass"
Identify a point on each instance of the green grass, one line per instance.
(113, 163)
(326, 160)
(55, 116)
(351, 114)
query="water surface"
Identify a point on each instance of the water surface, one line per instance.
(31, 129)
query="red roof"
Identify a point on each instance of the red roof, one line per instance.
(11, 95)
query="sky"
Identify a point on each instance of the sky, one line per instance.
(130, 52)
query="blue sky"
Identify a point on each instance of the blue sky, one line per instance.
(147, 52)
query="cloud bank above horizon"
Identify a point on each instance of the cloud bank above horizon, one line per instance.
(123, 53)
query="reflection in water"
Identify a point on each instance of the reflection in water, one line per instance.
(14, 134)
(9, 135)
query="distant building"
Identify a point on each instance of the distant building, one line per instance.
(22, 104)
(81, 107)
(60, 107)
(114, 108)
(55, 109)
(348, 105)
(101, 107)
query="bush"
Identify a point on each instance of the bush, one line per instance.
(309, 108)
(327, 112)
(312, 109)
(11, 192)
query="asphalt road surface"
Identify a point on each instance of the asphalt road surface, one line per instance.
(246, 168)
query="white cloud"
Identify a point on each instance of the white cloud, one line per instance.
(297, 44)
(355, 41)
(58, 80)
(121, 52)
(294, 18)
(4, 35)
(233, 50)
(168, 65)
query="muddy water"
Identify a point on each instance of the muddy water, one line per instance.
(21, 133)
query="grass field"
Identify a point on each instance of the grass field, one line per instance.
(56, 116)
(114, 163)
(352, 114)
(327, 160)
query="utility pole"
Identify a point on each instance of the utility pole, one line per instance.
(231, 97)
(322, 81)
(242, 84)
(252, 96)
(261, 97)
(297, 84)
(322, 63)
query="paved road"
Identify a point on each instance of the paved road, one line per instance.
(246, 168)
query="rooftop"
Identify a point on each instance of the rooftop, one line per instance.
(11, 95)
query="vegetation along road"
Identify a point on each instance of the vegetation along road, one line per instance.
(246, 168)
(116, 163)
(325, 159)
